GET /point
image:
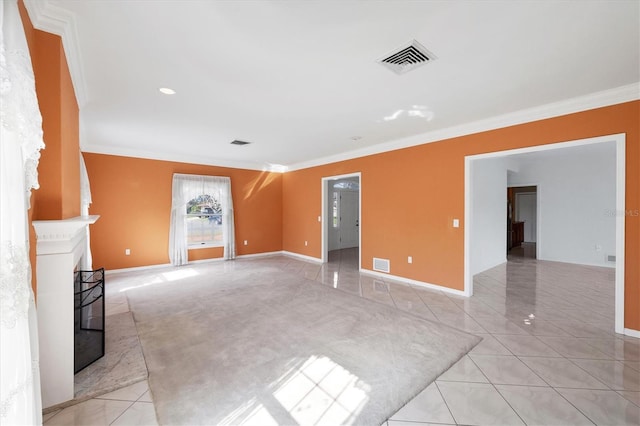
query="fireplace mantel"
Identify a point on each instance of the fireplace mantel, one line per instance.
(60, 246)
(61, 236)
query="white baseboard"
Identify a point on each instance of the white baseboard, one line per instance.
(169, 265)
(302, 256)
(414, 282)
(610, 265)
(136, 268)
(265, 254)
(632, 333)
(164, 265)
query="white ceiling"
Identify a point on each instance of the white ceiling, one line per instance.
(299, 79)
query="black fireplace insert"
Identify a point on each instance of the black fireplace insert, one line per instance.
(88, 317)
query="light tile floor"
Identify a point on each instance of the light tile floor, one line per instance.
(549, 354)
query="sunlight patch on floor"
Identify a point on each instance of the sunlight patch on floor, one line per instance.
(322, 392)
(164, 277)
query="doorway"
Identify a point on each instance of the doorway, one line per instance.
(341, 211)
(617, 143)
(522, 221)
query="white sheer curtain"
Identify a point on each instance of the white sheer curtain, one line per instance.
(185, 188)
(20, 145)
(85, 201)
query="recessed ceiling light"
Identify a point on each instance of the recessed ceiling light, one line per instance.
(167, 91)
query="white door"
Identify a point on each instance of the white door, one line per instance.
(526, 208)
(349, 214)
(333, 208)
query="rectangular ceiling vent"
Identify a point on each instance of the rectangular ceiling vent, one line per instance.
(407, 58)
(381, 265)
(238, 142)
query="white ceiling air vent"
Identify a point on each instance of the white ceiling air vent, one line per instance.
(238, 142)
(407, 57)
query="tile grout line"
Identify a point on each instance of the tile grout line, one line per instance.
(124, 411)
(445, 402)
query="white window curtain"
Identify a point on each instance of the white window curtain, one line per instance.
(20, 145)
(85, 201)
(187, 187)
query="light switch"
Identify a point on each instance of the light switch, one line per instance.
(319, 218)
(456, 223)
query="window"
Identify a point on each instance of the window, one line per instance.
(201, 216)
(204, 221)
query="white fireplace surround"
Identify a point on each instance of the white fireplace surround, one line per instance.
(60, 248)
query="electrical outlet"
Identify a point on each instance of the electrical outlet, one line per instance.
(306, 243)
(127, 252)
(410, 259)
(319, 218)
(246, 242)
(598, 247)
(456, 223)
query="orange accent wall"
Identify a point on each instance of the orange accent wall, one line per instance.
(410, 196)
(59, 169)
(133, 198)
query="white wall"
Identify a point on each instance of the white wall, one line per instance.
(576, 191)
(489, 214)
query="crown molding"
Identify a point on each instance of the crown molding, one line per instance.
(604, 98)
(181, 158)
(53, 19)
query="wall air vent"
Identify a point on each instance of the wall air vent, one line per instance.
(611, 258)
(408, 57)
(238, 142)
(381, 265)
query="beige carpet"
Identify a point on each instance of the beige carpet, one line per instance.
(261, 346)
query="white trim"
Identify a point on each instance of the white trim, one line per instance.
(203, 246)
(137, 268)
(302, 256)
(56, 20)
(61, 236)
(162, 265)
(632, 333)
(210, 260)
(618, 95)
(598, 265)
(468, 214)
(620, 141)
(213, 259)
(324, 234)
(620, 231)
(413, 282)
(257, 255)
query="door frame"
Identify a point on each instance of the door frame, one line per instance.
(325, 220)
(620, 143)
(538, 233)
